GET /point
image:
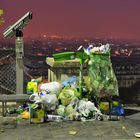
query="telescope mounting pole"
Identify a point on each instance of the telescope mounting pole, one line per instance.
(19, 62)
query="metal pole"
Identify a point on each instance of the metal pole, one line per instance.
(19, 62)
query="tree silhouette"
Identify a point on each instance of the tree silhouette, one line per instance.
(1, 19)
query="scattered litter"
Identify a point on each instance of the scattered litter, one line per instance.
(25, 115)
(31, 87)
(123, 128)
(56, 118)
(137, 134)
(72, 132)
(37, 113)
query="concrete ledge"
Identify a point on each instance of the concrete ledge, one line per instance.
(12, 98)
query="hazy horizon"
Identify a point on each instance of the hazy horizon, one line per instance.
(81, 18)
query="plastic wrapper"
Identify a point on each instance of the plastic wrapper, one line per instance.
(72, 81)
(118, 111)
(35, 97)
(56, 118)
(104, 107)
(31, 87)
(37, 114)
(25, 115)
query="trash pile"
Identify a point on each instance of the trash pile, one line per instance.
(75, 99)
(56, 101)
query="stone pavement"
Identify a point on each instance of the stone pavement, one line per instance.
(95, 130)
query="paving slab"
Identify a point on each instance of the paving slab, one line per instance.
(95, 130)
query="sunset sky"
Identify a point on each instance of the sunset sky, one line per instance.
(78, 18)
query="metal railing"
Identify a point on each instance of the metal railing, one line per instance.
(8, 72)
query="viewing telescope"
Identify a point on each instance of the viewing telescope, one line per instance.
(19, 25)
(16, 30)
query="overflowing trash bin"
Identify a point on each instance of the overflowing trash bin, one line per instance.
(102, 80)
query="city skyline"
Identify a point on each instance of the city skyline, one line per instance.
(81, 18)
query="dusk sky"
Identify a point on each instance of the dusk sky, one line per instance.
(78, 18)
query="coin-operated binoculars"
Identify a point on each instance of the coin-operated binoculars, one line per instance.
(16, 30)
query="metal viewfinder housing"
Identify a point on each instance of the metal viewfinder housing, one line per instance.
(19, 25)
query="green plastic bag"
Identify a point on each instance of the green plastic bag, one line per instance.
(67, 94)
(102, 79)
(61, 110)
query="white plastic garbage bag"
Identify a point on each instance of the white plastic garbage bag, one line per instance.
(49, 101)
(88, 110)
(52, 87)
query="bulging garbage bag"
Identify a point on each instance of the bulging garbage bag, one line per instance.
(61, 110)
(67, 94)
(69, 110)
(118, 111)
(52, 87)
(49, 101)
(88, 110)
